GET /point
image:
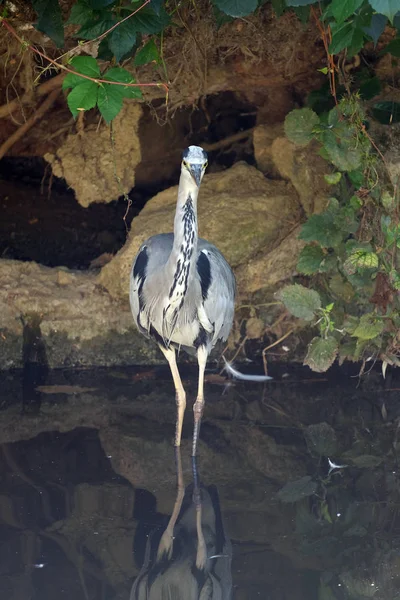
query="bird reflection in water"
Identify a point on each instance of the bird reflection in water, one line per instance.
(192, 559)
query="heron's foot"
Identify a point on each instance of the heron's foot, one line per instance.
(198, 408)
(166, 545)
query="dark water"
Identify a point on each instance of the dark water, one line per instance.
(89, 482)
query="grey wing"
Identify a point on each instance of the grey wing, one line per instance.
(218, 287)
(152, 255)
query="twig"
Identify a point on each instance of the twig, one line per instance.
(4, 148)
(42, 90)
(236, 137)
(283, 337)
(67, 70)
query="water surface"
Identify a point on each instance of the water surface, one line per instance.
(297, 480)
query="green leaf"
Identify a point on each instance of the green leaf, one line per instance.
(360, 259)
(321, 228)
(299, 125)
(156, 5)
(236, 8)
(321, 353)
(122, 39)
(82, 64)
(393, 48)
(342, 9)
(344, 152)
(279, 7)
(86, 65)
(367, 461)
(333, 178)
(369, 327)
(376, 27)
(110, 100)
(341, 288)
(123, 76)
(81, 13)
(341, 38)
(50, 20)
(310, 259)
(370, 88)
(148, 22)
(96, 26)
(83, 97)
(386, 112)
(356, 177)
(321, 439)
(149, 53)
(299, 2)
(98, 4)
(386, 7)
(300, 301)
(297, 490)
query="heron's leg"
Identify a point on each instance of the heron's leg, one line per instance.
(169, 354)
(198, 406)
(166, 543)
(201, 554)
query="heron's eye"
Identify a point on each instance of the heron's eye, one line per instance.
(185, 164)
(205, 165)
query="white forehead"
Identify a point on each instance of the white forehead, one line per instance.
(195, 154)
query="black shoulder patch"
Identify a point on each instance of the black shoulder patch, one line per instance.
(204, 271)
(139, 268)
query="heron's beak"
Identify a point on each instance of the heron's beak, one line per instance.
(196, 171)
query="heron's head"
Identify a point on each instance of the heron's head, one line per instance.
(195, 161)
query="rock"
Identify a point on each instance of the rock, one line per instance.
(303, 167)
(78, 321)
(240, 211)
(269, 268)
(263, 136)
(91, 163)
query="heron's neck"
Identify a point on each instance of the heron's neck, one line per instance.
(183, 255)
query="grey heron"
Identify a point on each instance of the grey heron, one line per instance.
(193, 557)
(182, 290)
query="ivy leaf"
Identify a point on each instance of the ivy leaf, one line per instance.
(83, 97)
(386, 112)
(361, 259)
(389, 8)
(299, 125)
(50, 20)
(342, 9)
(300, 301)
(123, 76)
(333, 178)
(366, 461)
(149, 53)
(148, 22)
(110, 100)
(341, 288)
(297, 490)
(376, 28)
(369, 327)
(122, 39)
(321, 439)
(321, 228)
(81, 13)
(343, 152)
(321, 353)
(236, 8)
(310, 259)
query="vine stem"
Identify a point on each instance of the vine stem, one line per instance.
(11, 29)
